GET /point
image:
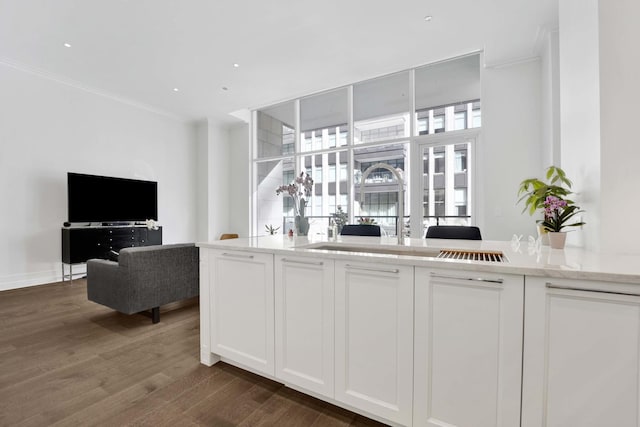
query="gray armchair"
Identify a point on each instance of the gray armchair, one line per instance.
(145, 278)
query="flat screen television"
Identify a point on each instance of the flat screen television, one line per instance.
(93, 198)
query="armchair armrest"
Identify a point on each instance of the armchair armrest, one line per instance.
(106, 285)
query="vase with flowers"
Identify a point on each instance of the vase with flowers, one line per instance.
(299, 190)
(557, 215)
(340, 219)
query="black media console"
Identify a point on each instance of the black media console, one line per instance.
(80, 244)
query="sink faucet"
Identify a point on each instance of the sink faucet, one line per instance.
(400, 223)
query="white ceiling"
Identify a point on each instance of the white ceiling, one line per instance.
(139, 50)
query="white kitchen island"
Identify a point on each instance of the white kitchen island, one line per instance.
(546, 338)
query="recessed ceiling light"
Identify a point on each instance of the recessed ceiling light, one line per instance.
(175, 89)
(236, 65)
(428, 18)
(225, 88)
(67, 45)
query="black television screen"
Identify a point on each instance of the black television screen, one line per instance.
(95, 198)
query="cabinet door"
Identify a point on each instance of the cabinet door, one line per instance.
(374, 338)
(581, 360)
(81, 244)
(468, 348)
(153, 237)
(241, 301)
(304, 314)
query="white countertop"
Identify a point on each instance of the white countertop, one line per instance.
(569, 263)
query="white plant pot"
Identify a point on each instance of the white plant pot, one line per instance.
(557, 239)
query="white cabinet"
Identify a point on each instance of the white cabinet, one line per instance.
(374, 338)
(304, 320)
(468, 348)
(581, 354)
(425, 346)
(241, 307)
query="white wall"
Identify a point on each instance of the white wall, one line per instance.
(550, 98)
(218, 179)
(510, 147)
(619, 111)
(48, 129)
(213, 194)
(580, 113)
(240, 183)
(202, 181)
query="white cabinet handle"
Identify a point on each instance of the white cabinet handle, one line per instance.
(598, 291)
(237, 255)
(294, 261)
(473, 279)
(379, 270)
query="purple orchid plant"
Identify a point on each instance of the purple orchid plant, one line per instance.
(302, 186)
(557, 213)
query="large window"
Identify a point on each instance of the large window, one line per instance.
(338, 135)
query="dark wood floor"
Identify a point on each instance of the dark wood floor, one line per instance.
(69, 362)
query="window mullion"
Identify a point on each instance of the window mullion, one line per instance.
(351, 191)
(298, 159)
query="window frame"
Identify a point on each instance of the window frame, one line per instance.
(413, 161)
(471, 136)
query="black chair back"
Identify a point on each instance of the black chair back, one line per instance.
(453, 232)
(360, 230)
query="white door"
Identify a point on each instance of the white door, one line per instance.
(581, 354)
(374, 338)
(468, 348)
(304, 321)
(241, 298)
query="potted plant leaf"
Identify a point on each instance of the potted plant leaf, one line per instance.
(533, 192)
(271, 229)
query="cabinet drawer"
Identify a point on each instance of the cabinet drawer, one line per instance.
(120, 232)
(82, 244)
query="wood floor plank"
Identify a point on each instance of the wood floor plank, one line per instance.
(105, 409)
(52, 414)
(188, 388)
(269, 412)
(227, 407)
(66, 361)
(334, 417)
(55, 389)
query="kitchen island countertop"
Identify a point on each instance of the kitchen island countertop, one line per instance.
(569, 263)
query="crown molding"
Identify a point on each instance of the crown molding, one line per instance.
(542, 36)
(512, 62)
(86, 88)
